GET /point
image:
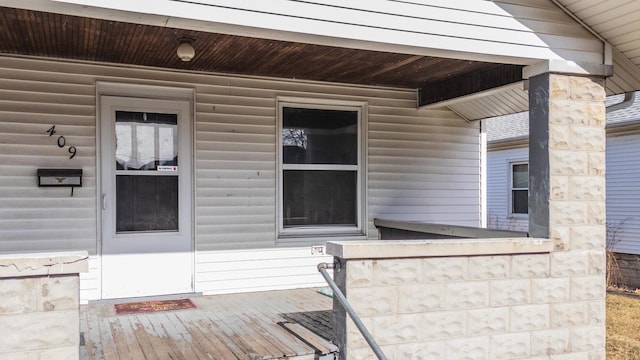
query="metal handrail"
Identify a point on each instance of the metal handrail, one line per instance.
(322, 268)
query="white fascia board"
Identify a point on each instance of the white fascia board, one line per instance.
(227, 20)
(567, 67)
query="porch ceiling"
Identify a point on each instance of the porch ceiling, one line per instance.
(36, 33)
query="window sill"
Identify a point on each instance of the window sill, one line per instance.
(316, 239)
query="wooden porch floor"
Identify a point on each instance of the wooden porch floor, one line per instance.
(287, 324)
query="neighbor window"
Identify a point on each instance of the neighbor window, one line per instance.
(519, 188)
(320, 169)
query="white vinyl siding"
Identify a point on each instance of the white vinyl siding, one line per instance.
(623, 191)
(498, 189)
(421, 164)
(497, 29)
(233, 271)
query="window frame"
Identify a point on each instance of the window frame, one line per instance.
(511, 189)
(310, 232)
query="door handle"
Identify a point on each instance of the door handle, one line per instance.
(104, 201)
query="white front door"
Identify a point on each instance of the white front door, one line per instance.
(145, 156)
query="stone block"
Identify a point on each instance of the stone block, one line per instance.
(442, 325)
(568, 162)
(62, 353)
(595, 162)
(559, 188)
(444, 269)
(489, 267)
(420, 298)
(587, 89)
(361, 353)
(530, 266)
(560, 137)
(561, 237)
(587, 188)
(59, 293)
(588, 288)
(354, 337)
(464, 295)
(587, 138)
(596, 213)
(569, 263)
(365, 353)
(568, 213)
(566, 315)
(588, 237)
(596, 312)
(472, 348)
(372, 301)
(550, 342)
(359, 273)
(567, 112)
(597, 262)
(550, 290)
(588, 338)
(510, 292)
(395, 272)
(488, 321)
(39, 330)
(597, 355)
(570, 356)
(433, 350)
(510, 346)
(559, 87)
(597, 114)
(529, 317)
(397, 329)
(18, 295)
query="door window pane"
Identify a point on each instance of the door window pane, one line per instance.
(145, 141)
(146, 203)
(312, 197)
(317, 136)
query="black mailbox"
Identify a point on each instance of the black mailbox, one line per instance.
(60, 177)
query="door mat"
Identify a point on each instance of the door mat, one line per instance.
(156, 305)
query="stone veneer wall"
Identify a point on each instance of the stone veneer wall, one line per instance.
(525, 306)
(39, 306)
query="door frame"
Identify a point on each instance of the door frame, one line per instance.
(149, 92)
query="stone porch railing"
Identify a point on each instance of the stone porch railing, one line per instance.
(501, 298)
(39, 305)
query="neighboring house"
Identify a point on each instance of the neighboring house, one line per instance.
(507, 178)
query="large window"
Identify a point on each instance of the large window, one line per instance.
(320, 172)
(519, 188)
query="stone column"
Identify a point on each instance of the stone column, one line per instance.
(567, 196)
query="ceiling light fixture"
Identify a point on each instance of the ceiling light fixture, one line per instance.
(185, 51)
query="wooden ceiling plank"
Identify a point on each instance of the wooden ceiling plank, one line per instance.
(470, 83)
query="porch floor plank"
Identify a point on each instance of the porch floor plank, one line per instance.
(286, 324)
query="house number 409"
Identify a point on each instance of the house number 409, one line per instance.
(62, 142)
